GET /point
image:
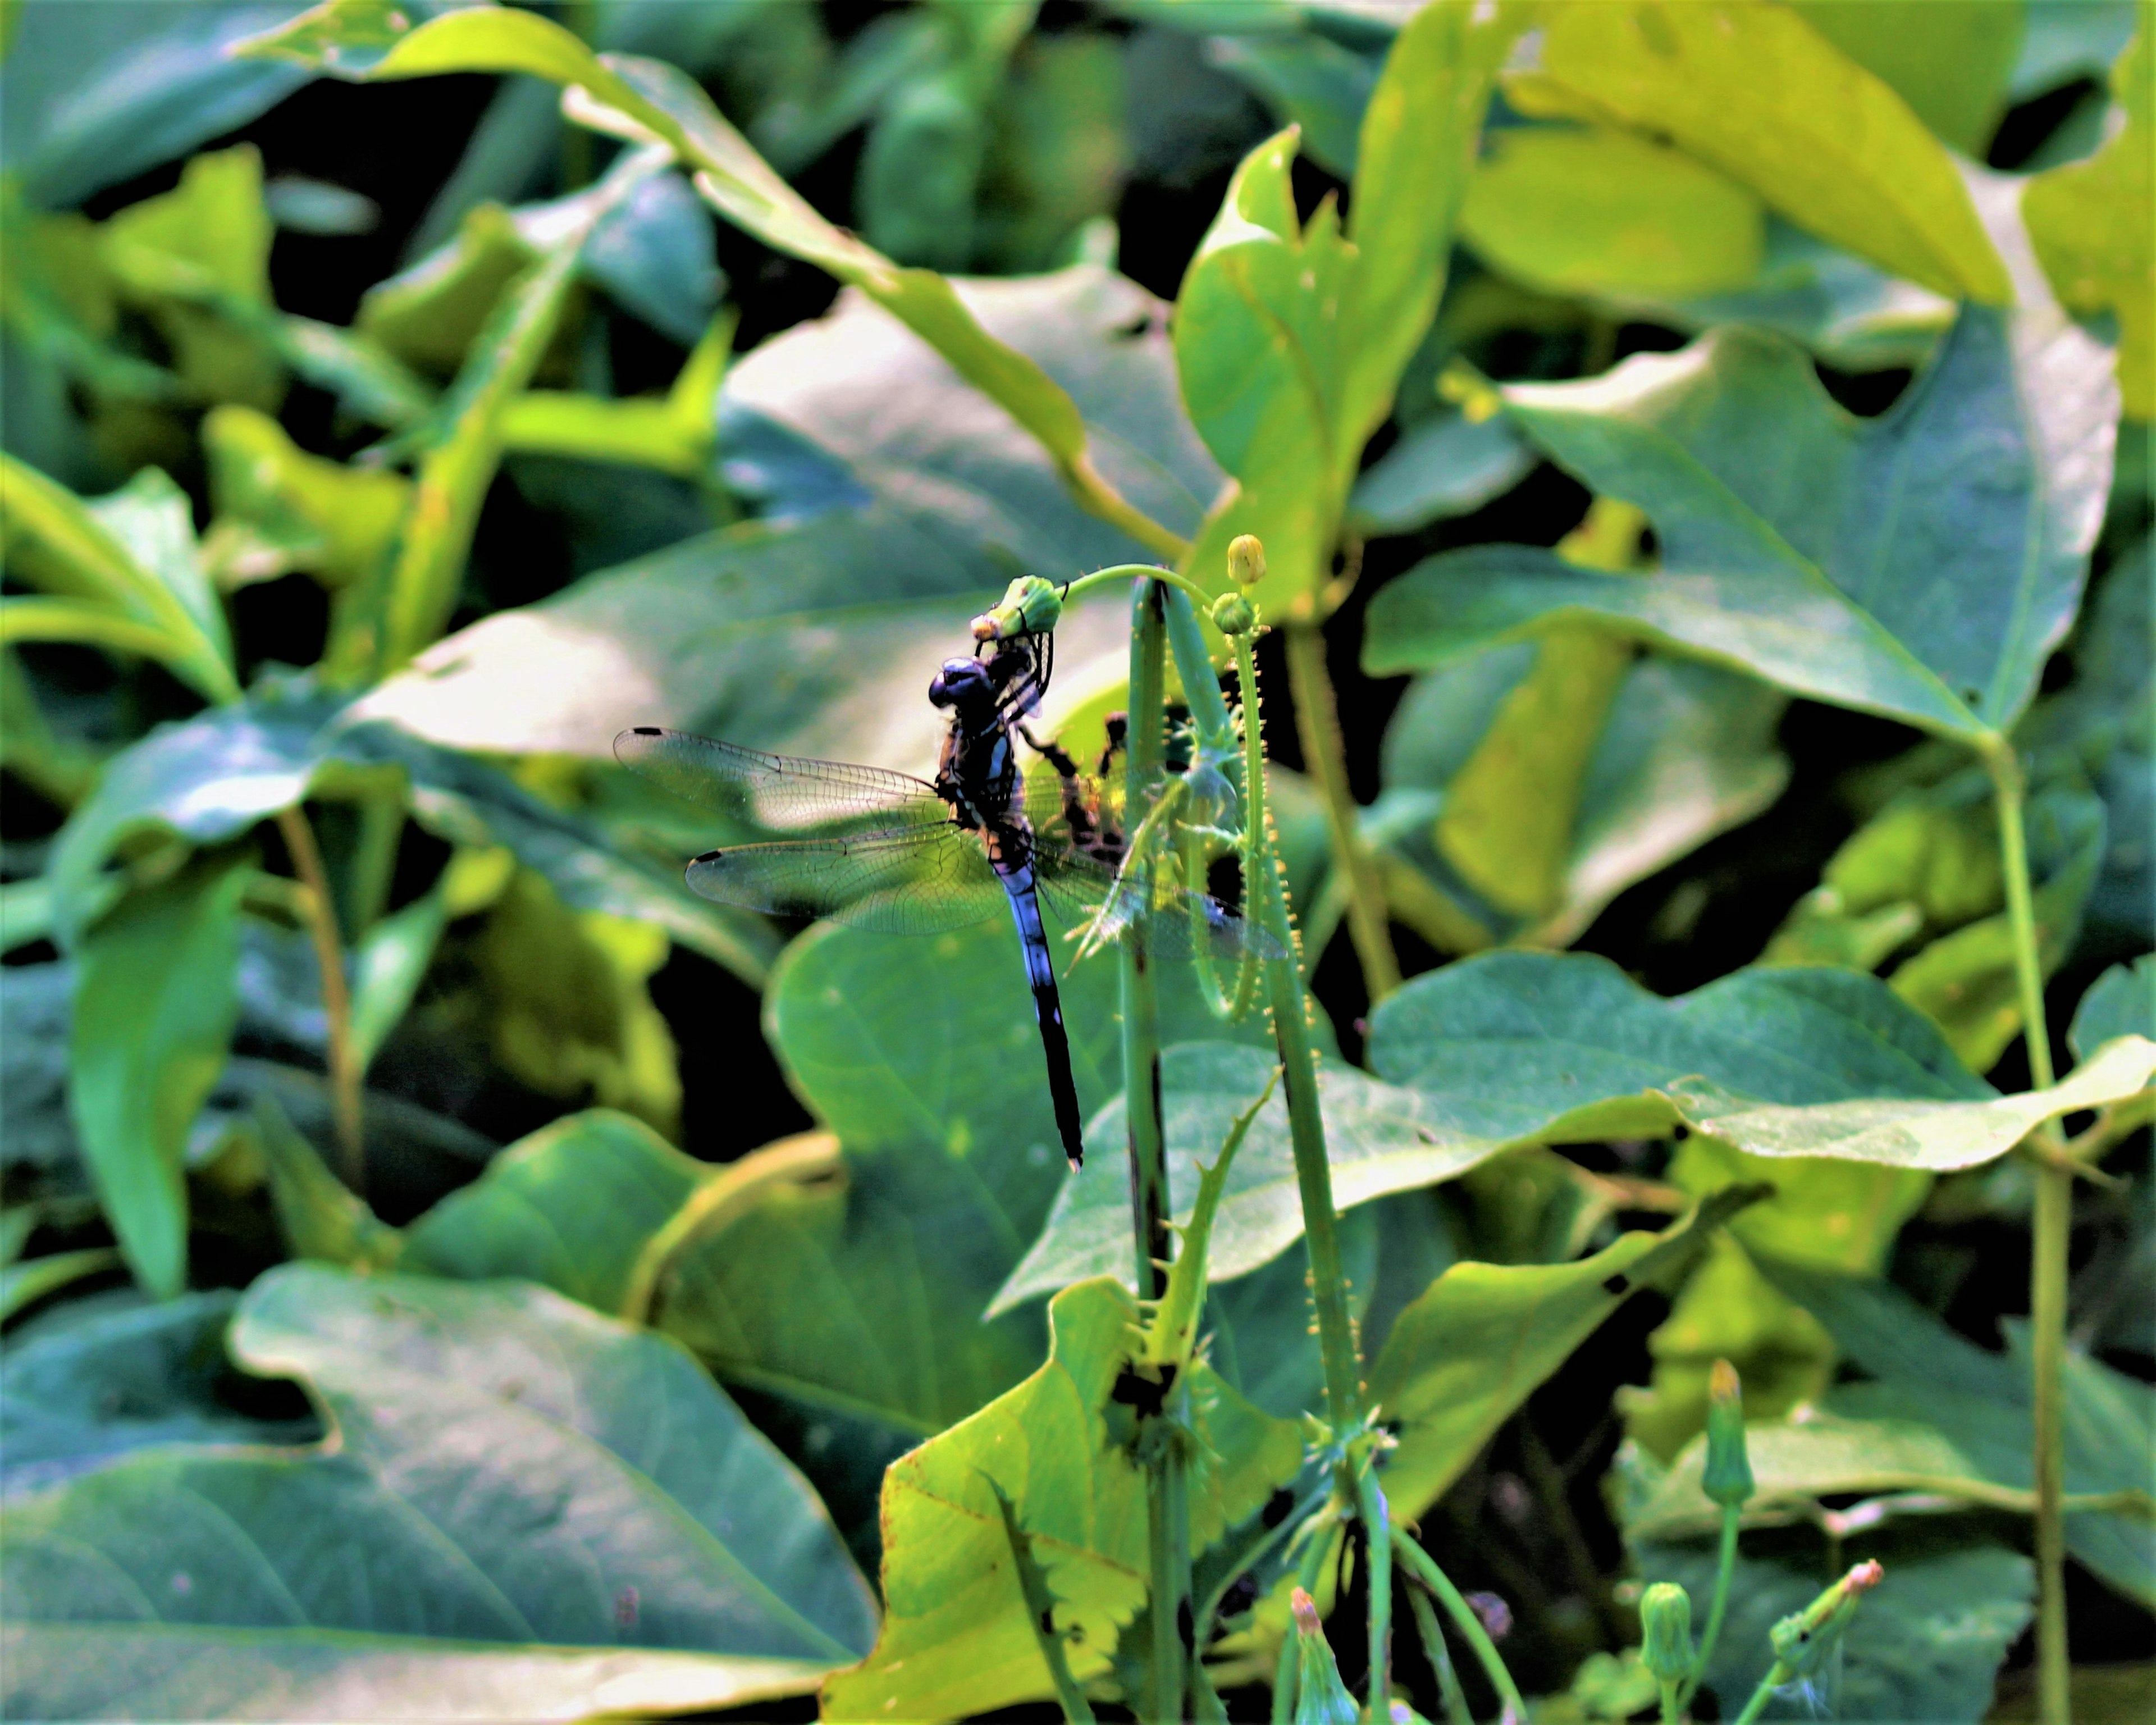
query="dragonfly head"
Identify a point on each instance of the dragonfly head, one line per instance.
(960, 681)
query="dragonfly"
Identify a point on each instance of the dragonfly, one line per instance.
(897, 854)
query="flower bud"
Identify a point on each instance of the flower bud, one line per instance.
(1320, 1698)
(1233, 615)
(1727, 1477)
(1030, 606)
(1666, 1627)
(1246, 560)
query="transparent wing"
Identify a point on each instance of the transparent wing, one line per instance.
(914, 881)
(779, 792)
(1078, 888)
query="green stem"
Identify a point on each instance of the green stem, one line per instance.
(1317, 723)
(2050, 1228)
(320, 911)
(1317, 1532)
(1040, 1610)
(1084, 584)
(1419, 1564)
(1378, 1553)
(1267, 889)
(373, 864)
(1440, 1656)
(1777, 1674)
(1725, 1568)
(1167, 1496)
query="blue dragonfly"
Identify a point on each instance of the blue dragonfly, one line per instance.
(897, 854)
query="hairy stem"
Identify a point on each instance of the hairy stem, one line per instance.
(1378, 1553)
(336, 993)
(1440, 1656)
(2051, 1226)
(1317, 723)
(1313, 1171)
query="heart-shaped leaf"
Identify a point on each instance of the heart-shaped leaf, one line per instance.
(533, 1512)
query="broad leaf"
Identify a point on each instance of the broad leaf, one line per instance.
(95, 1380)
(572, 1206)
(1479, 1342)
(1310, 81)
(1445, 466)
(2091, 223)
(957, 1639)
(1375, 1137)
(2122, 1002)
(1822, 140)
(95, 97)
(1804, 545)
(1930, 1134)
(531, 1511)
(152, 1018)
(1925, 1645)
(1950, 62)
(1599, 212)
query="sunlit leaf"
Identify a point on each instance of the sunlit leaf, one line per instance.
(1822, 140)
(533, 1511)
(957, 1639)
(1950, 62)
(2122, 1002)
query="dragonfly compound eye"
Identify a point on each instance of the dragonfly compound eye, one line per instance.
(959, 679)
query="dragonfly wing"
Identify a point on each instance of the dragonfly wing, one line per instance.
(779, 792)
(1182, 924)
(915, 880)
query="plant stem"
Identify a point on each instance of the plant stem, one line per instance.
(1317, 723)
(2051, 1227)
(373, 861)
(1777, 1674)
(1419, 1564)
(1725, 1568)
(1168, 1495)
(1378, 1553)
(336, 994)
(1093, 494)
(1313, 1172)
(1040, 1610)
(1440, 1659)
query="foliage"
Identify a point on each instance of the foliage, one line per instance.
(427, 1297)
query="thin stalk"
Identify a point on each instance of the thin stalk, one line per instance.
(1777, 1674)
(1419, 1564)
(1167, 1494)
(1093, 494)
(1440, 1659)
(320, 911)
(1725, 1567)
(1320, 1223)
(1317, 1532)
(373, 862)
(1317, 723)
(1378, 1553)
(2050, 1228)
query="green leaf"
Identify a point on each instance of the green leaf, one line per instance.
(153, 1012)
(1540, 1048)
(88, 108)
(2090, 223)
(538, 1512)
(1980, 1402)
(1310, 82)
(646, 99)
(1412, 170)
(570, 1205)
(957, 1640)
(1597, 212)
(920, 169)
(1685, 751)
(1376, 1136)
(1823, 141)
(2122, 1002)
(210, 235)
(928, 498)
(23, 1283)
(319, 1216)
(1831, 587)
(279, 509)
(130, 554)
(1484, 1336)
(1950, 62)
(1924, 1645)
(92, 1381)
(1258, 347)
(1446, 466)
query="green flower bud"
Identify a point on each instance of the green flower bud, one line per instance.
(1233, 615)
(1665, 1626)
(1246, 560)
(1030, 606)
(1320, 1698)
(1727, 1478)
(1803, 1640)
